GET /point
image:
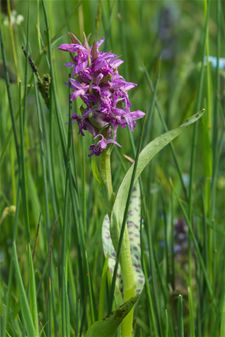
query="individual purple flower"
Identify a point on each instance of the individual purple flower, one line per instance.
(103, 91)
(101, 145)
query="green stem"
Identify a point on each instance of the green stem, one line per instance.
(106, 173)
(125, 255)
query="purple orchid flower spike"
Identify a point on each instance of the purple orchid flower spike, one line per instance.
(103, 91)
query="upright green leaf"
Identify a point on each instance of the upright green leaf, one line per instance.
(133, 226)
(109, 251)
(146, 155)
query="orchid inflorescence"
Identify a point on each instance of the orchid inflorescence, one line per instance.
(104, 92)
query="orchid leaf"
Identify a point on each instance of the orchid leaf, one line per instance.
(107, 327)
(145, 157)
(109, 251)
(133, 227)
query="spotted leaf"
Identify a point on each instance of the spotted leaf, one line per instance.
(133, 226)
(109, 251)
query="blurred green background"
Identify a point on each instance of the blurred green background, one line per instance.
(51, 204)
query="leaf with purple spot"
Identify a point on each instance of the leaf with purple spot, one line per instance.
(109, 251)
(133, 227)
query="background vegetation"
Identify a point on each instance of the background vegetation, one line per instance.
(51, 206)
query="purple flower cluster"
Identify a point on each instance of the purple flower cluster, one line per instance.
(95, 79)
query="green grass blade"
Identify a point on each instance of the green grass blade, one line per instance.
(25, 309)
(33, 293)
